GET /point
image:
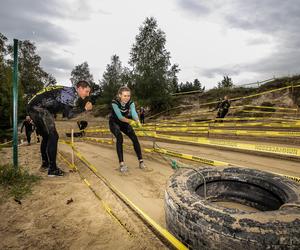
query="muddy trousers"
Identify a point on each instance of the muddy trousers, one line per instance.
(116, 128)
(45, 126)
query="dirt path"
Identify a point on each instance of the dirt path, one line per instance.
(146, 189)
(44, 220)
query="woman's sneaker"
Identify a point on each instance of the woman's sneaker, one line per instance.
(55, 172)
(142, 165)
(123, 168)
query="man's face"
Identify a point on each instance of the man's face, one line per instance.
(83, 92)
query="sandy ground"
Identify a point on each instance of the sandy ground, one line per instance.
(46, 221)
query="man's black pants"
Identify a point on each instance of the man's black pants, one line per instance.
(45, 126)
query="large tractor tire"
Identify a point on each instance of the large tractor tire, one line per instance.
(202, 223)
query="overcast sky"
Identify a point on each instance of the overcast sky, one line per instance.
(249, 40)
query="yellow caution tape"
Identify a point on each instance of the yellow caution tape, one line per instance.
(286, 151)
(256, 133)
(189, 157)
(265, 112)
(101, 140)
(265, 107)
(223, 131)
(102, 130)
(141, 133)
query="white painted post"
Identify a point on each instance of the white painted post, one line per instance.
(72, 141)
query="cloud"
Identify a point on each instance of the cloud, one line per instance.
(279, 20)
(229, 70)
(36, 21)
(194, 7)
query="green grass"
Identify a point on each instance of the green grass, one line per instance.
(15, 183)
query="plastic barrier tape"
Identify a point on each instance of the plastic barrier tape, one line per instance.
(287, 151)
(190, 157)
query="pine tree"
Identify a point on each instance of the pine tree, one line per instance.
(151, 66)
(82, 72)
(113, 78)
(225, 83)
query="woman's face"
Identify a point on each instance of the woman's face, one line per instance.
(125, 96)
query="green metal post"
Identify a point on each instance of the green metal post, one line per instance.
(15, 105)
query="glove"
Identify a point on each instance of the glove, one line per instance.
(131, 123)
(135, 124)
(138, 124)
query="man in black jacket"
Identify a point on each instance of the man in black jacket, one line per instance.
(223, 107)
(29, 128)
(42, 108)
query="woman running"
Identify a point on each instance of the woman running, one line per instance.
(123, 109)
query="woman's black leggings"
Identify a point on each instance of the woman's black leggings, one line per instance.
(116, 128)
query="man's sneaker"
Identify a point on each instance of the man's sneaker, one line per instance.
(123, 168)
(142, 165)
(44, 166)
(55, 172)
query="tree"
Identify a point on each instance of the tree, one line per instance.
(112, 80)
(5, 85)
(151, 62)
(191, 86)
(31, 77)
(82, 72)
(197, 85)
(173, 79)
(225, 83)
(30, 71)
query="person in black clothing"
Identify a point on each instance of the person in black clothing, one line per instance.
(142, 115)
(123, 109)
(29, 128)
(42, 108)
(223, 107)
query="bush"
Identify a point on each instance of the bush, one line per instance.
(17, 183)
